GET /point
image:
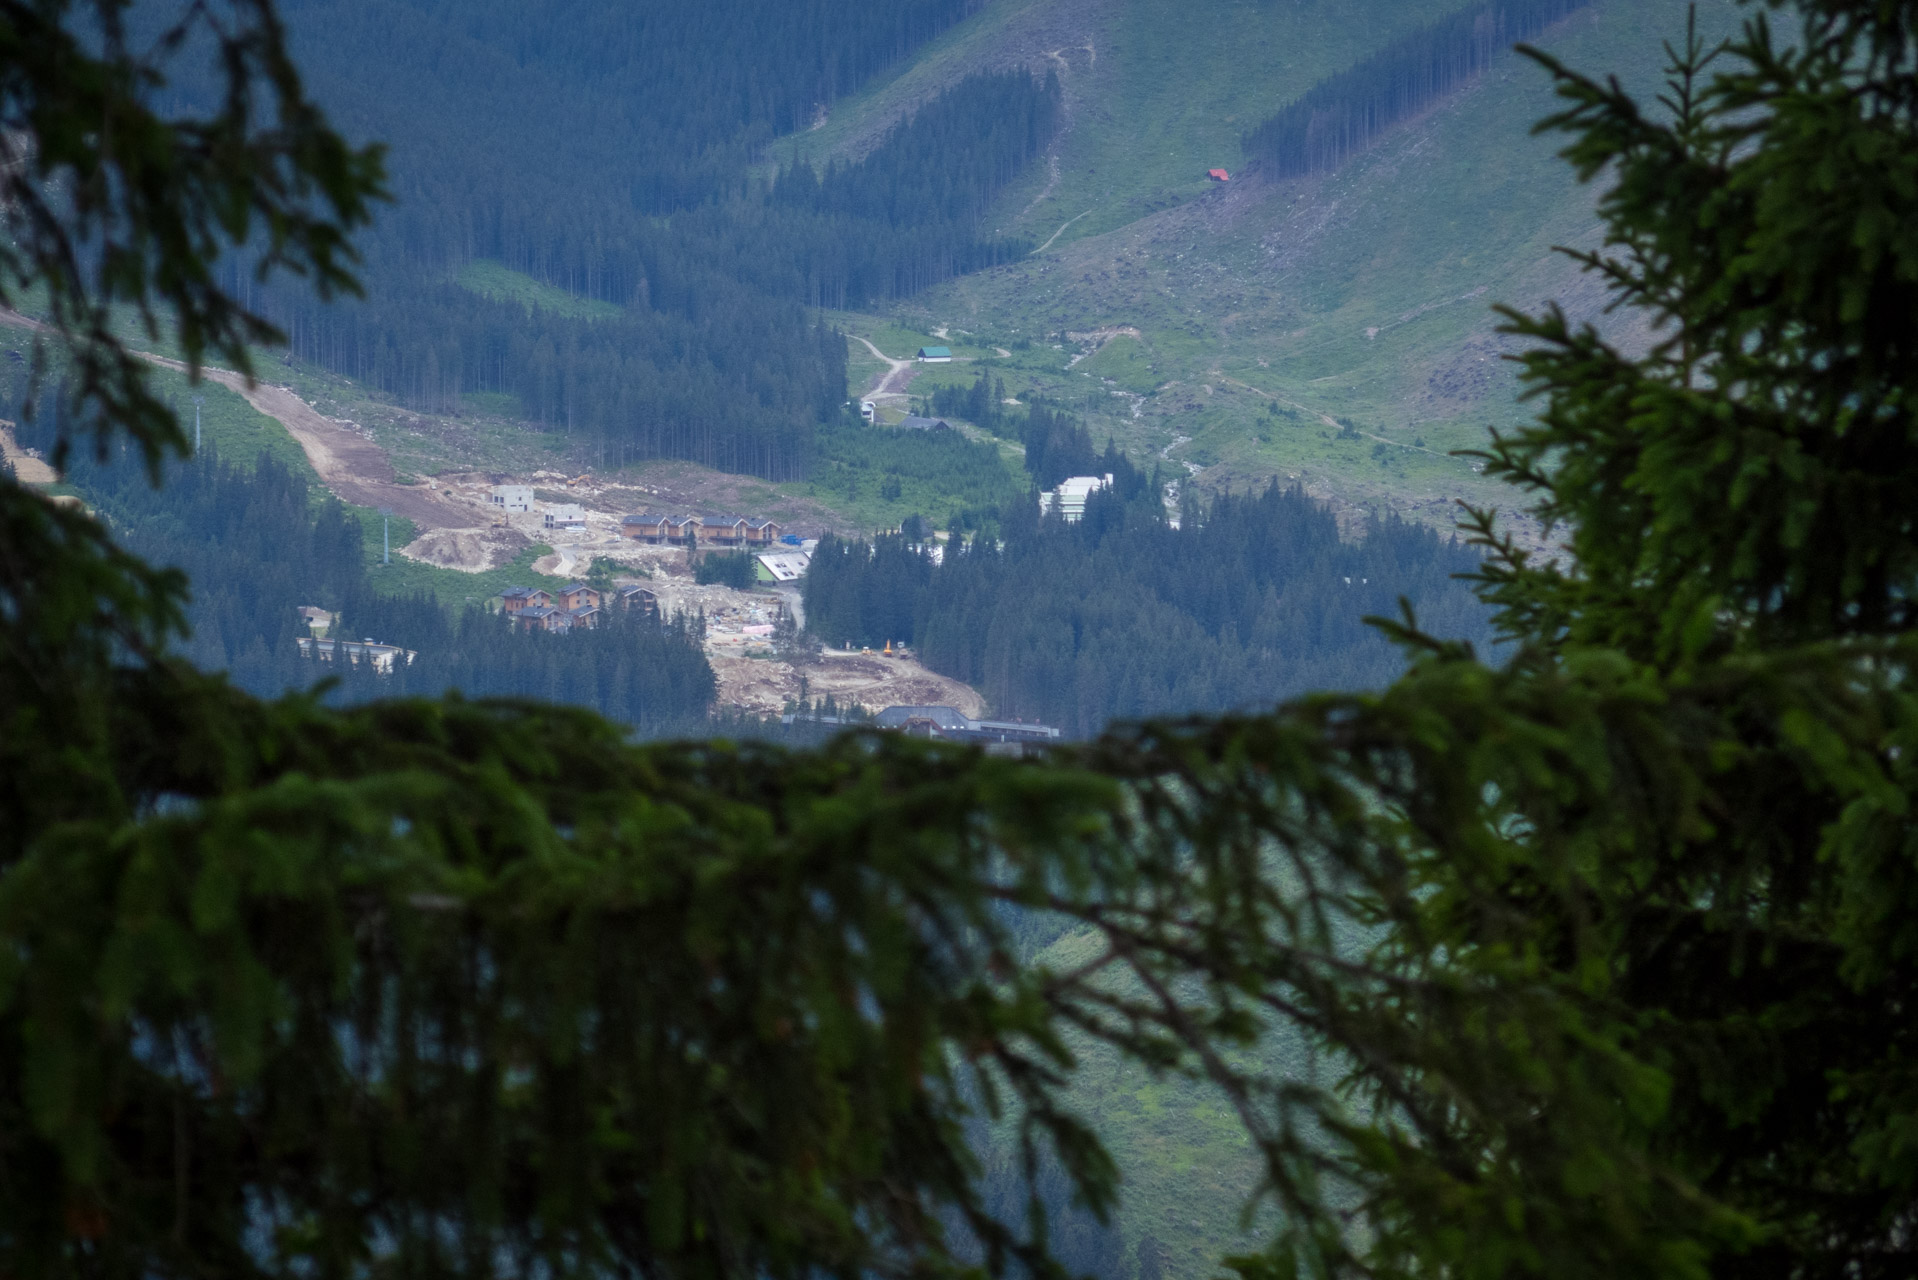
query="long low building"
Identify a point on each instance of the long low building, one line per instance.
(998, 737)
(950, 722)
(715, 531)
(381, 657)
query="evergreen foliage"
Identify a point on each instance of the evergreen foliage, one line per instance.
(546, 153)
(981, 404)
(257, 546)
(709, 370)
(969, 479)
(1604, 957)
(1121, 616)
(731, 569)
(1343, 113)
(1058, 447)
(907, 215)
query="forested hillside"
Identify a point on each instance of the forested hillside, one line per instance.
(256, 543)
(1122, 616)
(1346, 111)
(605, 151)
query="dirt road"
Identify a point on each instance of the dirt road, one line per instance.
(893, 382)
(348, 463)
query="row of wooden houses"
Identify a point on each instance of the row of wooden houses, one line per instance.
(701, 531)
(574, 605)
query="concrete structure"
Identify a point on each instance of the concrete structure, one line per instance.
(913, 422)
(780, 566)
(510, 497)
(1069, 499)
(381, 657)
(949, 723)
(565, 517)
(934, 355)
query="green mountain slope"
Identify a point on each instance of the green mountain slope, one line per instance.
(1158, 92)
(1337, 329)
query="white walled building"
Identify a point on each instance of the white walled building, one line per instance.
(511, 497)
(1069, 499)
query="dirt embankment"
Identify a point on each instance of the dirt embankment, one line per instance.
(347, 461)
(874, 681)
(28, 467)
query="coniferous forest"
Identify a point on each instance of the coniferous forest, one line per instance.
(609, 154)
(256, 543)
(1589, 964)
(1122, 616)
(1343, 113)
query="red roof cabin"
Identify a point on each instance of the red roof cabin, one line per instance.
(1218, 175)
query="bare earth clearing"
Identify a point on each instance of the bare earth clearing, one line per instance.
(750, 677)
(458, 529)
(28, 466)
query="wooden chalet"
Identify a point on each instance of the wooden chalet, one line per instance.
(651, 529)
(518, 599)
(637, 597)
(722, 531)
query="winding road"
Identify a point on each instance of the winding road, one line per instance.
(892, 384)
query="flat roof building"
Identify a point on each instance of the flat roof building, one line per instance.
(381, 657)
(1068, 500)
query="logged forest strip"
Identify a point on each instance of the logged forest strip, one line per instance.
(353, 467)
